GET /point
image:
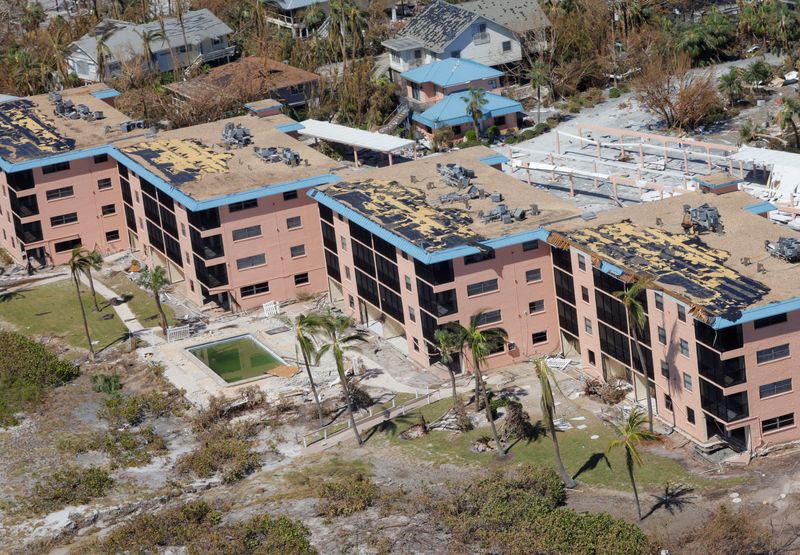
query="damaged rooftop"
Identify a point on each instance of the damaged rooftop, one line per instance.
(406, 199)
(719, 274)
(197, 161)
(30, 130)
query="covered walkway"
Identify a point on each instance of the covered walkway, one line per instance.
(355, 138)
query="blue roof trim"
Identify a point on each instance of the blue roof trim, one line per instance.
(760, 208)
(54, 159)
(417, 252)
(249, 106)
(494, 160)
(759, 312)
(609, 268)
(106, 93)
(451, 72)
(452, 110)
(289, 127)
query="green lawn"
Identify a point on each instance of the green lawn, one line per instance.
(584, 458)
(53, 310)
(139, 301)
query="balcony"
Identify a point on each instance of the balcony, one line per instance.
(215, 55)
(727, 408)
(207, 248)
(481, 38)
(723, 373)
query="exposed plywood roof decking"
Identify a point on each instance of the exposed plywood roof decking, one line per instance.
(718, 273)
(29, 129)
(196, 160)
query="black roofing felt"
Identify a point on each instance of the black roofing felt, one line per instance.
(438, 25)
(25, 133)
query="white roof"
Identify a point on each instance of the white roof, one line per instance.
(341, 134)
(750, 154)
(784, 180)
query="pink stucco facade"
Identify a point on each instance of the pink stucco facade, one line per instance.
(428, 93)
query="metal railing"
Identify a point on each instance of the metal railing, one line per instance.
(481, 38)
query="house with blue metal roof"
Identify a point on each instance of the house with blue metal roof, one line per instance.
(427, 84)
(499, 111)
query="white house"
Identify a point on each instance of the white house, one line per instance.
(486, 31)
(200, 38)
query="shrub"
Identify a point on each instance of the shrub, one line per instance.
(128, 448)
(359, 398)
(517, 424)
(198, 528)
(106, 383)
(346, 495)
(27, 372)
(614, 93)
(492, 132)
(471, 136)
(727, 532)
(225, 448)
(71, 486)
(131, 410)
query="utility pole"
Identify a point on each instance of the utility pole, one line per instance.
(614, 19)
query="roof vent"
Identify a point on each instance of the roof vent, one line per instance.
(234, 134)
(702, 219)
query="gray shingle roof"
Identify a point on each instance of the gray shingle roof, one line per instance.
(520, 16)
(438, 25)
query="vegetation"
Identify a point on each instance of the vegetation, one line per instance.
(71, 485)
(546, 382)
(225, 448)
(728, 532)
(345, 495)
(304, 327)
(630, 435)
(475, 101)
(82, 262)
(155, 280)
(28, 371)
(141, 304)
(199, 528)
(131, 410)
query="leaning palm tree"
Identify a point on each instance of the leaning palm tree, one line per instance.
(304, 327)
(631, 435)
(155, 281)
(447, 344)
(546, 382)
(637, 319)
(149, 36)
(78, 263)
(480, 343)
(476, 100)
(103, 53)
(790, 107)
(538, 76)
(338, 335)
(94, 262)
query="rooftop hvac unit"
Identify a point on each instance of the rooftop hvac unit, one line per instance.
(703, 218)
(268, 154)
(54, 96)
(290, 157)
(787, 248)
(455, 175)
(236, 135)
(497, 197)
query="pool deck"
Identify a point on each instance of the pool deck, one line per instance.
(386, 368)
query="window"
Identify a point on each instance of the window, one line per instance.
(684, 347)
(64, 219)
(533, 275)
(482, 287)
(584, 294)
(770, 321)
(63, 192)
(774, 353)
(479, 257)
(772, 424)
(582, 262)
(482, 27)
(506, 45)
(662, 335)
(297, 250)
(455, 54)
(592, 358)
(412, 315)
(182, 49)
(659, 300)
(301, 279)
(246, 232)
(108, 209)
(775, 388)
(244, 205)
(191, 285)
(690, 415)
(343, 242)
(100, 158)
(103, 184)
(290, 195)
(351, 301)
(347, 272)
(255, 289)
(53, 168)
(67, 245)
(587, 325)
(489, 317)
(668, 402)
(681, 313)
(408, 283)
(530, 245)
(536, 306)
(417, 54)
(250, 261)
(687, 382)
(112, 235)
(539, 337)
(416, 344)
(665, 369)
(183, 230)
(295, 222)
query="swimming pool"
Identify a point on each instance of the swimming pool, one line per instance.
(237, 358)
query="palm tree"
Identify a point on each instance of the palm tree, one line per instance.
(480, 343)
(155, 281)
(476, 100)
(538, 76)
(103, 53)
(78, 263)
(730, 84)
(790, 107)
(338, 336)
(756, 73)
(149, 36)
(546, 381)
(94, 261)
(631, 435)
(637, 318)
(447, 344)
(305, 326)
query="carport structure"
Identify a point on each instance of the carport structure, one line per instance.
(355, 138)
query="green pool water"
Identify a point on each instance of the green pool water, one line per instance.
(237, 359)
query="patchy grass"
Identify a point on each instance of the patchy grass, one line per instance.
(70, 486)
(139, 301)
(225, 449)
(305, 481)
(584, 457)
(52, 310)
